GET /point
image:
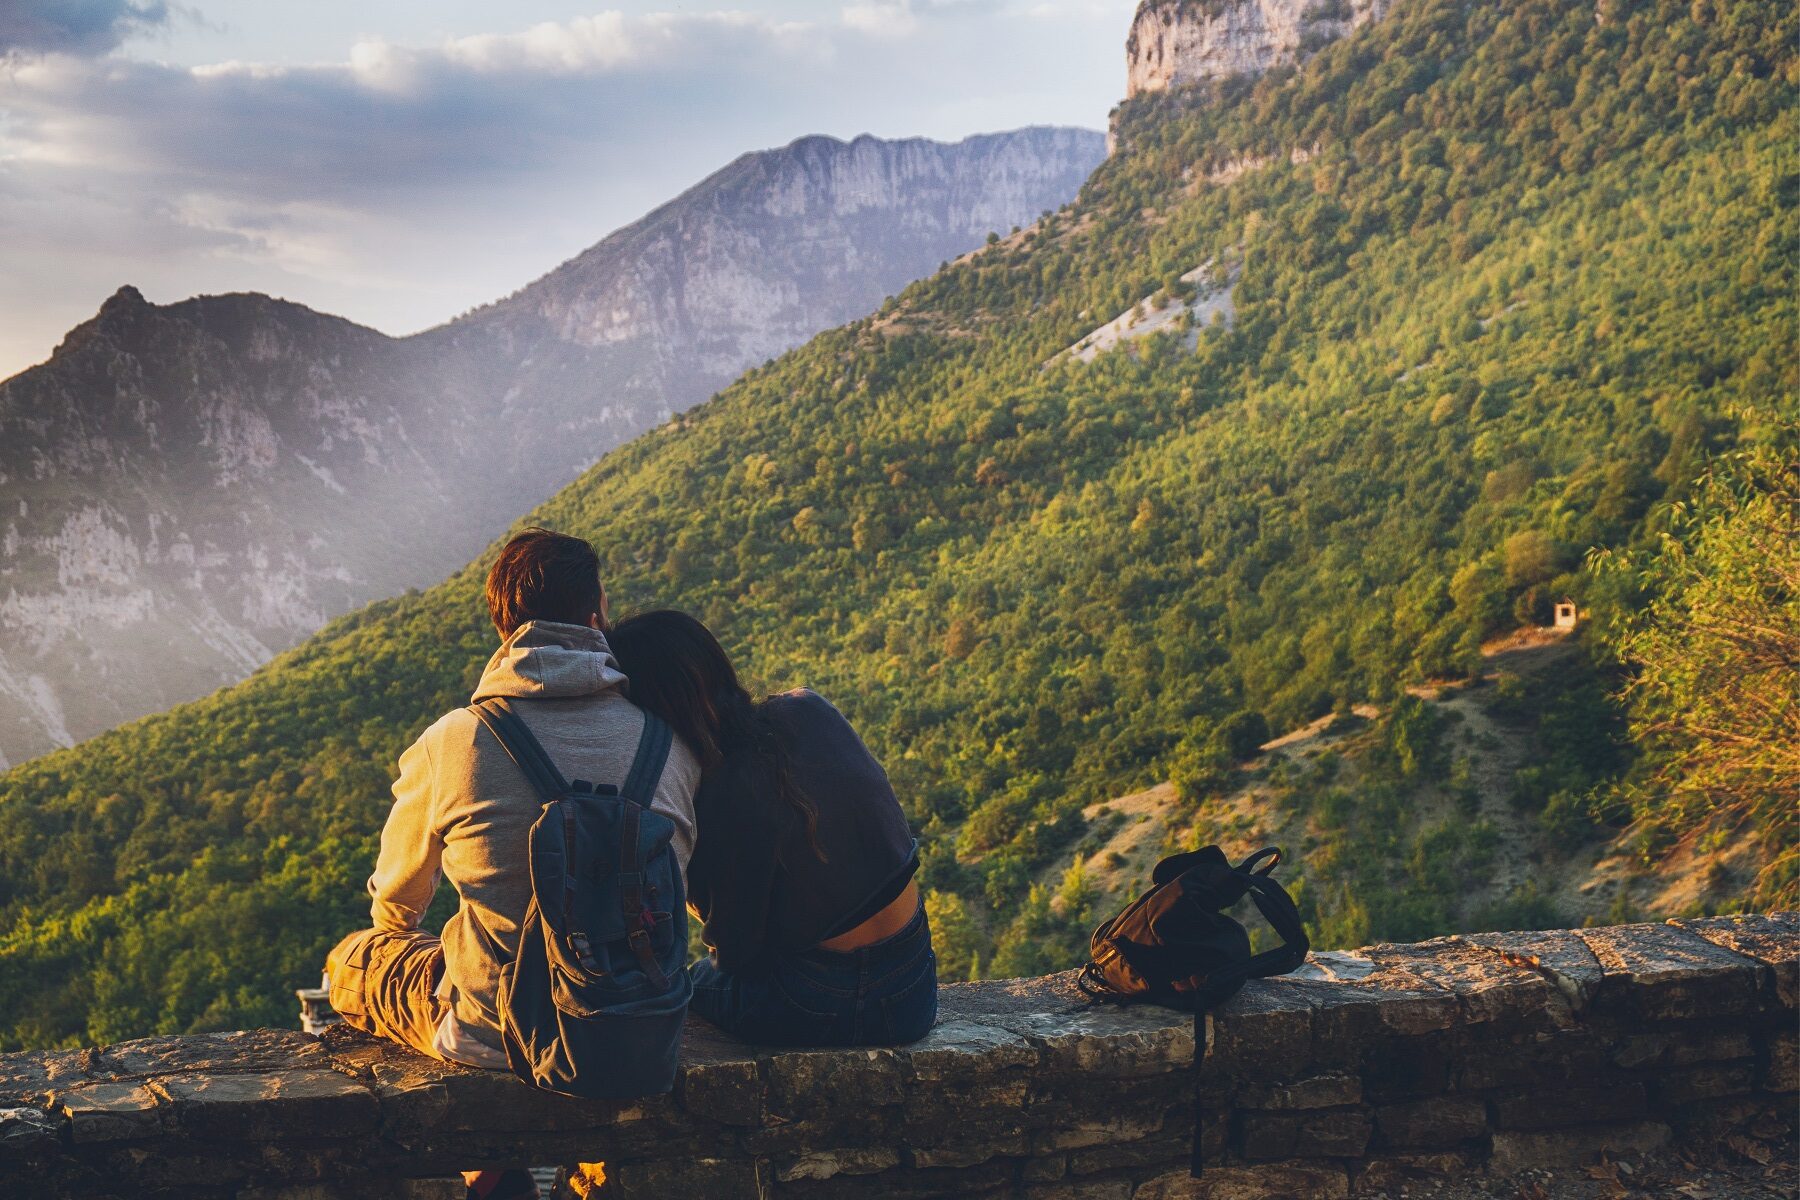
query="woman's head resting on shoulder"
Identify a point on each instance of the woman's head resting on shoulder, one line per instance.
(679, 671)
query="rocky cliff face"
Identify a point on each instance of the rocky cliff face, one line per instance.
(187, 489)
(1176, 43)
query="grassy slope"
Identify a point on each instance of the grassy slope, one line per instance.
(1533, 273)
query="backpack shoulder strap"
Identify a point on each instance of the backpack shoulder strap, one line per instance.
(647, 764)
(522, 746)
(1278, 909)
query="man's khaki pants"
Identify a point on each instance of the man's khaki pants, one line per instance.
(385, 983)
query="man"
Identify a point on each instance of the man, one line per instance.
(463, 809)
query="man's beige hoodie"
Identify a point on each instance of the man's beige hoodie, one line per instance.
(462, 809)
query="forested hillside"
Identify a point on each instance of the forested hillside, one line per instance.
(1507, 278)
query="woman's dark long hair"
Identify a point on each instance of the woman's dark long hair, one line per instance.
(679, 671)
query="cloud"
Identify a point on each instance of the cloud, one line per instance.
(85, 27)
(400, 183)
(390, 119)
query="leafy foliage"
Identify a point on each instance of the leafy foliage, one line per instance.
(1716, 698)
(1528, 270)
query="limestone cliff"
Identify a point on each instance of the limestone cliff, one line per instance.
(187, 489)
(1177, 43)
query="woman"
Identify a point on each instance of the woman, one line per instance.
(803, 868)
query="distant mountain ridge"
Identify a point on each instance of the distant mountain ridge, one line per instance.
(187, 489)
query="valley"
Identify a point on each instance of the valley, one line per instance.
(1489, 344)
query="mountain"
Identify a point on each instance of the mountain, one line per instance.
(187, 489)
(1503, 281)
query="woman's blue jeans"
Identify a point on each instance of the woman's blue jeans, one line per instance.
(881, 995)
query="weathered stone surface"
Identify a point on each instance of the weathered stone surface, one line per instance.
(1105, 1130)
(1430, 1124)
(689, 1178)
(1659, 972)
(1782, 1072)
(112, 1112)
(1680, 1048)
(1319, 1133)
(1489, 987)
(250, 1050)
(724, 1089)
(1773, 940)
(26, 1132)
(257, 1107)
(29, 1079)
(1321, 1091)
(1514, 1150)
(1536, 1059)
(823, 1164)
(1081, 1189)
(1403, 1067)
(1170, 1147)
(1548, 1108)
(1710, 1081)
(808, 1080)
(1264, 1032)
(1388, 1064)
(1265, 1181)
(1396, 1173)
(1560, 956)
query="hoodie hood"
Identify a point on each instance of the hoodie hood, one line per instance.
(550, 660)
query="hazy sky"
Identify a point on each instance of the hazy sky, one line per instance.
(399, 161)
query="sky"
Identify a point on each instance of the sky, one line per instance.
(398, 162)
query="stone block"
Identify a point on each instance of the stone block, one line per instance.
(1316, 1133)
(1264, 1181)
(1684, 1047)
(1781, 1073)
(1516, 1149)
(1662, 973)
(1171, 1147)
(28, 1079)
(1262, 1033)
(268, 1105)
(1081, 1189)
(28, 1132)
(1403, 1068)
(1384, 1004)
(1560, 956)
(1534, 1060)
(1547, 1108)
(970, 1154)
(712, 1178)
(1773, 940)
(1711, 1081)
(1489, 988)
(413, 1102)
(805, 1081)
(960, 1183)
(1430, 1124)
(1042, 1170)
(112, 1112)
(1107, 1130)
(823, 1164)
(968, 1050)
(1398, 1173)
(246, 1052)
(1320, 1091)
(730, 1092)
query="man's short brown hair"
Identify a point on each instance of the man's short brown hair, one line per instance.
(543, 576)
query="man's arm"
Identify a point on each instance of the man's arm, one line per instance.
(406, 873)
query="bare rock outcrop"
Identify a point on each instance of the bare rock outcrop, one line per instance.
(1178, 43)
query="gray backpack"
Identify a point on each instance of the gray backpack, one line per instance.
(594, 1004)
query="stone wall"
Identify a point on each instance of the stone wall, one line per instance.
(1484, 1052)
